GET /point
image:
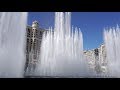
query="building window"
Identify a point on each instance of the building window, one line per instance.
(96, 52)
(34, 56)
(31, 41)
(40, 33)
(28, 30)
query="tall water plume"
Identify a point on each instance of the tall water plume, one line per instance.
(12, 42)
(62, 50)
(112, 44)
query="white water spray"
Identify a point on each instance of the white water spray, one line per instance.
(112, 44)
(12, 43)
(62, 51)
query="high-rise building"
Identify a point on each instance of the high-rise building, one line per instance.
(97, 59)
(33, 43)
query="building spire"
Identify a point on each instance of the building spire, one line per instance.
(35, 24)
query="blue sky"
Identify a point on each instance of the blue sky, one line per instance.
(91, 24)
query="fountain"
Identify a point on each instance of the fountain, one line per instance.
(112, 44)
(62, 50)
(12, 42)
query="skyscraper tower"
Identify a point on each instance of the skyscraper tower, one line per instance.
(33, 43)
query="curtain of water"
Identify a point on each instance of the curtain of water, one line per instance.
(12, 42)
(62, 51)
(112, 44)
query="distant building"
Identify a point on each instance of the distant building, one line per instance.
(33, 43)
(97, 58)
(102, 57)
(90, 57)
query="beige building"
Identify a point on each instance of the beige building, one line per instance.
(33, 43)
(97, 58)
(90, 57)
